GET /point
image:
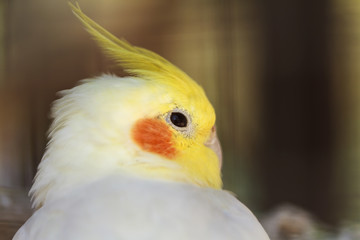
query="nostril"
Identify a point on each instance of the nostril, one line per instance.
(212, 136)
(214, 143)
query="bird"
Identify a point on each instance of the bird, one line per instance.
(134, 158)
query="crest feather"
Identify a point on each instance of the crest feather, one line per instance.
(134, 60)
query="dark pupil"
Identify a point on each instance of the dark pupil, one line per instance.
(178, 119)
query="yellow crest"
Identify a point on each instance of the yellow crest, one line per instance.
(137, 61)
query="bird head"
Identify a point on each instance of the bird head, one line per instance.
(157, 124)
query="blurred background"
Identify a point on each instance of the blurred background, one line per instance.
(283, 76)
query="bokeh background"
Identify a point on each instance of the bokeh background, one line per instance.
(283, 76)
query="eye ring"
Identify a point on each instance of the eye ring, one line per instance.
(180, 120)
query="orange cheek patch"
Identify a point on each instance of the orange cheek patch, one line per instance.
(153, 135)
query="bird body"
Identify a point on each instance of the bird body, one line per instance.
(134, 158)
(122, 206)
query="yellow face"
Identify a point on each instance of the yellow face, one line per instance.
(183, 131)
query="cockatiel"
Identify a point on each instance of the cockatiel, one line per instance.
(134, 158)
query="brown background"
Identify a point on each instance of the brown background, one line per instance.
(283, 77)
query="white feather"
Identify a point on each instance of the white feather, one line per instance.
(132, 208)
(90, 134)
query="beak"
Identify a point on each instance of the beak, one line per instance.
(214, 143)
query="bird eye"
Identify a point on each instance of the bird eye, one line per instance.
(178, 119)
